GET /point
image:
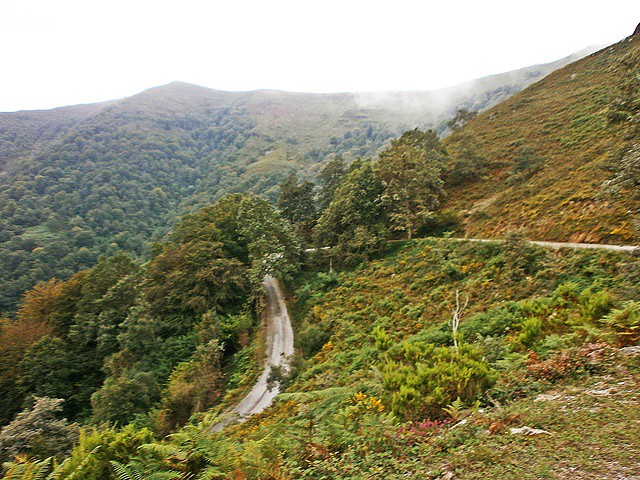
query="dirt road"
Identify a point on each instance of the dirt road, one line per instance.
(279, 346)
(601, 246)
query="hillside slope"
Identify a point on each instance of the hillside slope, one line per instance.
(551, 150)
(23, 134)
(78, 182)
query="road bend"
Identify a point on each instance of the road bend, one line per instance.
(279, 347)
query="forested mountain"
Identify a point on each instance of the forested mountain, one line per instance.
(23, 134)
(414, 357)
(77, 182)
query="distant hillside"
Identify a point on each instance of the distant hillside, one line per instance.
(23, 134)
(77, 182)
(475, 95)
(552, 152)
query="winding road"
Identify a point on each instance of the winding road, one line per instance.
(601, 246)
(279, 347)
(279, 337)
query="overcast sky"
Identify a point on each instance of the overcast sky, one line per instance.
(61, 52)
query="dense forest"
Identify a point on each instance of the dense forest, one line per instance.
(119, 331)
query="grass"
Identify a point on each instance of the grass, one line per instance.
(564, 118)
(592, 425)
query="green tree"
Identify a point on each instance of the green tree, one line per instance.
(186, 280)
(193, 387)
(50, 369)
(410, 172)
(121, 398)
(215, 223)
(38, 431)
(468, 163)
(297, 205)
(355, 221)
(273, 247)
(331, 175)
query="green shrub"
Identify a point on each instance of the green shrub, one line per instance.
(497, 321)
(531, 332)
(625, 323)
(311, 339)
(595, 305)
(424, 378)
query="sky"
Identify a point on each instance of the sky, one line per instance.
(65, 52)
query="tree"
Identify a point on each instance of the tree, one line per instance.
(38, 431)
(461, 118)
(273, 247)
(186, 280)
(121, 398)
(297, 205)
(468, 163)
(193, 387)
(215, 223)
(331, 176)
(355, 222)
(410, 172)
(38, 302)
(16, 337)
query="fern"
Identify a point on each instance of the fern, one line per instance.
(136, 471)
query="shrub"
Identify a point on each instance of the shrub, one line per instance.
(531, 331)
(625, 323)
(37, 431)
(427, 378)
(521, 257)
(589, 358)
(311, 339)
(595, 305)
(497, 321)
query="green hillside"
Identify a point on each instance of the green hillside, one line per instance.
(427, 358)
(78, 182)
(23, 134)
(561, 126)
(378, 389)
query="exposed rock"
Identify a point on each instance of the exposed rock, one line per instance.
(528, 431)
(636, 33)
(546, 397)
(632, 351)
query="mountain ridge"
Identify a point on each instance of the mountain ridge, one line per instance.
(116, 175)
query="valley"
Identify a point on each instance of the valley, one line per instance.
(201, 284)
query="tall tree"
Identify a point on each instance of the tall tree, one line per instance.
(355, 222)
(410, 172)
(38, 431)
(273, 247)
(330, 177)
(468, 163)
(296, 204)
